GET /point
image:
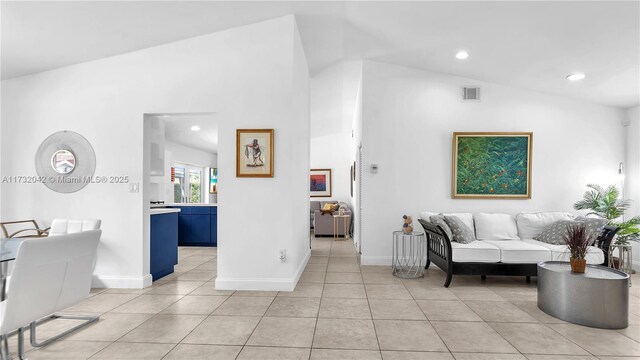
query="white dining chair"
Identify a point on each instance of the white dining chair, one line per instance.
(50, 274)
(65, 226)
(70, 226)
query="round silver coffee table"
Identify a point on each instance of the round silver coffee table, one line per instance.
(598, 298)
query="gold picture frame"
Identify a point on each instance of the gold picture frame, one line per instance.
(254, 153)
(491, 165)
(320, 183)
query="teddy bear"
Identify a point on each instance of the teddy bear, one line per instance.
(407, 226)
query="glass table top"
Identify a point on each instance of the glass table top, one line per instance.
(9, 249)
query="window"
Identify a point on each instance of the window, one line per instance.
(178, 185)
(195, 185)
(188, 184)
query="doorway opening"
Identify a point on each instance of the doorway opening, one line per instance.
(179, 178)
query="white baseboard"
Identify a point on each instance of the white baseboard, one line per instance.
(121, 282)
(301, 267)
(264, 284)
(375, 260)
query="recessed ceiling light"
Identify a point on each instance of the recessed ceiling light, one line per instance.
(575, 76)
(461, 55)
(195, 128)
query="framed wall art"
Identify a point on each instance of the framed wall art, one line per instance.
(320, 182)
(254, 153)
(352, 173)
(492, 165)
(213, 180)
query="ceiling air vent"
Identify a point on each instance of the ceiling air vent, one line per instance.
(470, 94)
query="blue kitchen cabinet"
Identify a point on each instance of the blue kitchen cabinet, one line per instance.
(164, 244)
(214, 228)
(184, 228)
(200, 230)
(198, 226)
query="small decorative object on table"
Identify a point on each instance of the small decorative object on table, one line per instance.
(578, 240)
(407, 227)
(409, 254)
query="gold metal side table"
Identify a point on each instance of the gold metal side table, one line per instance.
(336, 223)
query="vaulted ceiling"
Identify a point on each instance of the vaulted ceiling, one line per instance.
(532, 45)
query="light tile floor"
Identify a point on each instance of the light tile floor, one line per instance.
(339, 310)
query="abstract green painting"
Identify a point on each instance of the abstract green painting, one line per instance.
(492, 165)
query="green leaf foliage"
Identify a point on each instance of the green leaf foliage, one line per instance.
(606, 203)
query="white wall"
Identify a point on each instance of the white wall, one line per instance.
(355, 145)
(192, 156)
(408, 120)
(333, 105)
(243, 74)
(632, 162)
(268, 215)
(632, 172)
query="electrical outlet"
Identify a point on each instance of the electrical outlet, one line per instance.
(134, 187)
(282, 255)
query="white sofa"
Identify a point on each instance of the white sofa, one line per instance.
(501, 239)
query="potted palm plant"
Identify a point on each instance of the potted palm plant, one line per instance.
(578, 240)
(606, 203)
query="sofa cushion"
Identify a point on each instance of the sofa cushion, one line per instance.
(467, 218)
(594, 225)
(477, 251)
(520, 252)
(439, 220)
(555, 233)
(426, 215)
(561, 252)
(534, 223)
(461, 232)
(495, 227)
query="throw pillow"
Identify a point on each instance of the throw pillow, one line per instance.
(439, 220)
(461, 232)
(555, 233)
(594, 225)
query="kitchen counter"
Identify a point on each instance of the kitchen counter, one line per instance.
(156, 211)
(183, 204)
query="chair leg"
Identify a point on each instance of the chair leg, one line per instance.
(86, 320)
(528, 279)
(483, 277)
(4, 347)
(21, 354)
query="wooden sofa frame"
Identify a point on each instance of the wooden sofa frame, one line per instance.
(439, 253)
